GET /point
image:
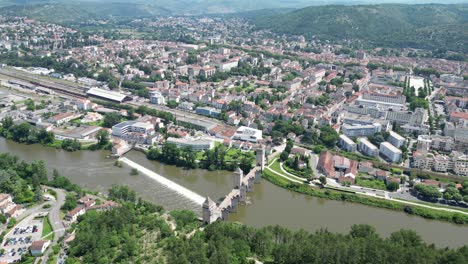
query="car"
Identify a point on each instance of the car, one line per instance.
(14, 253)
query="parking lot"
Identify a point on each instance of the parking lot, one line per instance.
(20, 238)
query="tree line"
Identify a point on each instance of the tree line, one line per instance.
(137, 233)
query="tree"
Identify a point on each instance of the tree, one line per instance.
(428, 191)
(122, 193)
(393, 186)
(111, 119)
(246, 164)
(323, 180)
(284, 156)
(363, 231)
(70, 203)
(71, 144)
(102, 137)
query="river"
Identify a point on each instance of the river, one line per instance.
(270, 204)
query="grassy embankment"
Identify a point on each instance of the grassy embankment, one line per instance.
(452, 217)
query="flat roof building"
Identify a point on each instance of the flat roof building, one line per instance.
(367, 148)
(347, 144)
(361, 130)
(389, 151)
(396, 140)
(248, 134)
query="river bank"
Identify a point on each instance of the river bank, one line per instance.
(268, 203)
(457, 218)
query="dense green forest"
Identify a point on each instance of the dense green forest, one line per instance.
(417, 26)
(139, 233)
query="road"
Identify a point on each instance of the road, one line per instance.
(373, 193)
(55, 221)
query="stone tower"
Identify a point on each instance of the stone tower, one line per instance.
(209, 211)
(238, 175)
(260, 155)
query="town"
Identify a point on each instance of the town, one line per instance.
(222, 96)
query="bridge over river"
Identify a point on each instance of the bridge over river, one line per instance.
(212, 211)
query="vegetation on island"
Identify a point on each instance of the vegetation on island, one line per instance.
(218, 158)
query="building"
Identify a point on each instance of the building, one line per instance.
(108, 95)
(203, 125)
(207, 71)
(248, 134)
(72, 216)
(227, 66)
(134, 131)
(195, 144)
(63, 118)
(347, 144)
(337, 167)
(80, 133)
(91, 117)
(367, 148)
(389, 151)
(416, 118)
(356, 130)
(157, 98)
(39, 247)
(6, 202)
(456, 163)
(208, 111)
(120, 147)
(460, 164)
(382, 101)
(396, 140)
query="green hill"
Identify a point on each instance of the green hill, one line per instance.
(82, 11)
(419, 26)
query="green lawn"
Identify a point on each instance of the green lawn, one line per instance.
(47, 229)
(374, 184)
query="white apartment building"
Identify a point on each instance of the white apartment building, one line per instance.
(367, 148)
(347, 144)
(157, 98)
(396, 140)
(248, 134)
(133, 131)
(361, 130)
(390, 152)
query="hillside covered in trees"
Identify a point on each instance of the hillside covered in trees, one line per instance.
(418, 26)
(138, 232)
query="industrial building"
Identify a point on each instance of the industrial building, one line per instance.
(108, 95)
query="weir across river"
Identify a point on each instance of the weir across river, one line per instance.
(212, 211)
(196, 198)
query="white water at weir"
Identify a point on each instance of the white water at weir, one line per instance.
(198, 199)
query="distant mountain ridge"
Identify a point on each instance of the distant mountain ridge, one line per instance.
(195, 7)
(419, 26)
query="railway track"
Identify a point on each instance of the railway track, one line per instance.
(68, 90)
